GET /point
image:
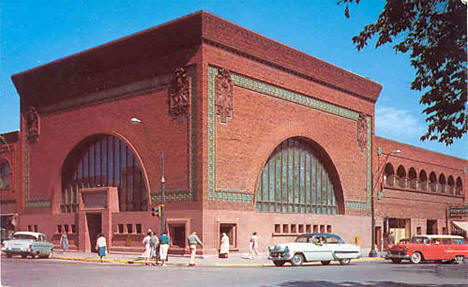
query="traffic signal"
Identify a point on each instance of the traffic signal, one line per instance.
(156, 211)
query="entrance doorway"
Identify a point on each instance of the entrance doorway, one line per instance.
(177, 234)
(431, 226)
(231, 231)
(94, 227)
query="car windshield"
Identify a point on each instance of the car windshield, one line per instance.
(419, 240)
(24, 236)
(302, 239)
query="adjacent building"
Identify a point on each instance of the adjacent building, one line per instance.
(238, 132)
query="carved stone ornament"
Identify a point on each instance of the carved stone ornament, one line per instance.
(362, 132)
(224, 94)
(179, 94)
(33, 125)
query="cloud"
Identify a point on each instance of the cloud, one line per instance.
(397, 123)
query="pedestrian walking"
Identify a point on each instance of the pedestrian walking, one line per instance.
(193, 241)
(163, 248)
(154, 245)
(253, 246)
(101, 246)
(391, 238)
(147, 243)
(64, 241)
(224, 248)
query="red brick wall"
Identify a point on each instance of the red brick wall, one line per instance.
(260, 123)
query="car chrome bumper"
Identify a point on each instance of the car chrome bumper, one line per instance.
(279, 257)
(396, 256)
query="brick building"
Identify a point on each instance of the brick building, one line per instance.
(257, 137)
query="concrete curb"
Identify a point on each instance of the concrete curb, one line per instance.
(204, 264)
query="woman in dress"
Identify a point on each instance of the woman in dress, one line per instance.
(64, 241)
(147, 243)
(101, 246)
(224, 248)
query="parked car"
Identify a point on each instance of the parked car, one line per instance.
(323, 247)
(26, 244)
(430, 247)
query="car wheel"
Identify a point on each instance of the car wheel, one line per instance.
(459, 259)
(24, 256)
(416, 258)
(297, 259)
(396, 260)
(279, 262)
(345, 261)
(9, 255)
(325, 262)
(35, 255)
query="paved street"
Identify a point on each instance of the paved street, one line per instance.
(53, 272)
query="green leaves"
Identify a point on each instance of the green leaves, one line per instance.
(433, 32)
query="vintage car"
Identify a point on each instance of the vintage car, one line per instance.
(323, 247)
(26, 244)
(430, 248)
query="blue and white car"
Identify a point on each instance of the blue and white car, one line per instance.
(26, 244)
(323, 247)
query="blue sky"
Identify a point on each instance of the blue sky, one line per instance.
(35, 32)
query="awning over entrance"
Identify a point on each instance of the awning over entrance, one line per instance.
(461, 224)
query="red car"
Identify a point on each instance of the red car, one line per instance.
(430, 247)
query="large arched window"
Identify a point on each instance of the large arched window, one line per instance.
(103, 160)
(401, 175)
(413, 178)
(389, 174)
(5, 175)
(295, 180)
(423, 180)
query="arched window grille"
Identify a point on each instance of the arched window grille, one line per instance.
(413, 178)
(459, 186)
(5, 175)
(451, 184)
(294, 180)
(423, 180)
(433, 181)
(389, 174)
(442, 183)
(103, 160)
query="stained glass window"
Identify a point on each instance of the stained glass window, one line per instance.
(103, 160)
(295, 180)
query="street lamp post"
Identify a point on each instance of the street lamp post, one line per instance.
(137, 121)
(373, 252)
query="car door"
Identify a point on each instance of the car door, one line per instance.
(315, 251)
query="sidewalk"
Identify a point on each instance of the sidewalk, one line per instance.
(235, 259)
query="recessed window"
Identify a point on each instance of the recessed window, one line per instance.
(293, 228)
(316, 228)
(329, 229)
(59, 228)
(322, 228)
(308, 228)
(277, 228)
(129, 228)
(35, 228)
(301, 228)
(285, 228)
(73, 228)
(66, 228)
(138, 228)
